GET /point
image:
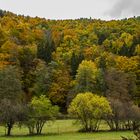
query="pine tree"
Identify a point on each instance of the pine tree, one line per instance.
(46, 47)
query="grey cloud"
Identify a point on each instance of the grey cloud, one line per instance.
(125, 8)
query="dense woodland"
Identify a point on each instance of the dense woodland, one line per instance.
(61, 58)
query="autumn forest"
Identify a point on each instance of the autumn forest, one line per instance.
(66, 66)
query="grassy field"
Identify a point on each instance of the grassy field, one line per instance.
(64, 130)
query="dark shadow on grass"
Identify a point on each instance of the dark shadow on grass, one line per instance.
(35, 135)
(57, 134)
(82, 131)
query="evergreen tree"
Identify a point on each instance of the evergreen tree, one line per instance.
(46, 47)
(75, 61)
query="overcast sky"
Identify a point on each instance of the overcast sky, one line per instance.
(71, 9)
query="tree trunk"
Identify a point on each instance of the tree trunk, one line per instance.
(9, 127)
(9, 131)
(39, 126)
(31, 130)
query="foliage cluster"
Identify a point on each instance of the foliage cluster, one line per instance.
(58, 59)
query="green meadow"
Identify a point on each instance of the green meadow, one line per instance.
(64, 130)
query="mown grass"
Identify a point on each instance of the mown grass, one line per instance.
(64, 130)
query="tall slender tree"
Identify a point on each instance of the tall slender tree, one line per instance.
(46, 47)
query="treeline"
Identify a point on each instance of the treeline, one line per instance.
(57, 59)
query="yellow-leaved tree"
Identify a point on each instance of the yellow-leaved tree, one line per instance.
(89, 109)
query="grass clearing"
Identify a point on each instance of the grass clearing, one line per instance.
(74, 136)
(64, 130)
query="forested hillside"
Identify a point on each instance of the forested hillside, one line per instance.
(61, 58)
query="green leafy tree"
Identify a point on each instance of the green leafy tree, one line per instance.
(10, 96)
(52, 81)
(42, 110)
(89, 109)
(26, 56)
(10, 113)
(10, 83)
(87, 78)
(42, 79)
